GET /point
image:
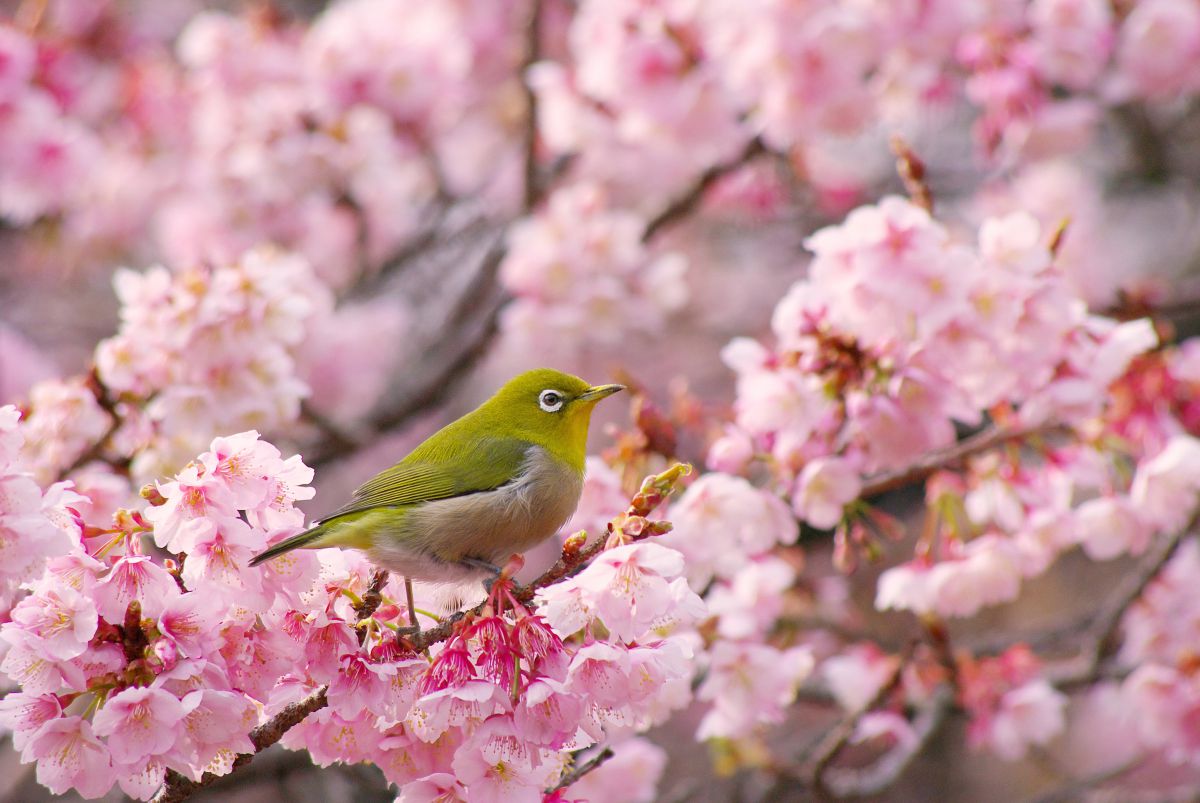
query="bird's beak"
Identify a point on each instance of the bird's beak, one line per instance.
(599, 392)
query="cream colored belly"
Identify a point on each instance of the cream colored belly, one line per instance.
(490, 526)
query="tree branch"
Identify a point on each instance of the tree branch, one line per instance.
(1075, 789)
(531, 187)
(836, 739)
(690, 198)
(1098, 644)
(876, 778)
(583, 769)
(927, 465)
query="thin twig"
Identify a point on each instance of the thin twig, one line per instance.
(877, 777)
(981, 441)
(1098, 644)
(690, 198)
(583, 769)
(532, 188)
(836, 739)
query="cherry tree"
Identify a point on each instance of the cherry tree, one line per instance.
(903, 292)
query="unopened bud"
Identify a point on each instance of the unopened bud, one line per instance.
(573, 544)
(150, 493)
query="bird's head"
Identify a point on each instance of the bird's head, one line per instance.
(550, 408)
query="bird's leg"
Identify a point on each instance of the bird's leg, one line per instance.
(501, 582)
(483, 565)
(412, 608)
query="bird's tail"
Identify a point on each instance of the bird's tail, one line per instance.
(308, 538)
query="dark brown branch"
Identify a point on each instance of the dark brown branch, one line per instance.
(876, 778)
(95, 450)
(583, 769)
(1099, 641)
(178, 787)
(942, 458)
(836, 739)
(531, 187)
(690, 198)
(476, 320)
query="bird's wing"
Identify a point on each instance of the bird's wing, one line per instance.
(486, 465)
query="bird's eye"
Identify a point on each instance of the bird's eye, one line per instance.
(550, 400)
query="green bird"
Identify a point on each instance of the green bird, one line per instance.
(494, 483)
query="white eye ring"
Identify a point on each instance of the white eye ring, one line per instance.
(551, 400)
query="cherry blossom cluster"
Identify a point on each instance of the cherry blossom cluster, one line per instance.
(1041, 74)
(326, 139)
(131, 666)
(182, 364)
(899, 331)
(581, 273)
(35, 525)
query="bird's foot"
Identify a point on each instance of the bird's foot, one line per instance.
(500, 586)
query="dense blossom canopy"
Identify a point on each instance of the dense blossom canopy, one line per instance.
(907, 284)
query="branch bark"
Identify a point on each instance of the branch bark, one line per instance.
(1087, 667)
(689, 199)
(927, 465)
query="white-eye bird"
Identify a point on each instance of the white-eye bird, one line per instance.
(494, 483)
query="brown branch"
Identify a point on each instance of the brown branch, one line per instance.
(95, 450)
(178, 787)
(531, 187)
(690, 198)
(1146, 142)
(836, 739)
(876, 778)
(927, 465)
(581, 770)
(1099, 642)
(476, 318)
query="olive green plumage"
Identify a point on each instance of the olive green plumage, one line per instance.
(495, 482)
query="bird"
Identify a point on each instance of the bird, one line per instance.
(494, 483)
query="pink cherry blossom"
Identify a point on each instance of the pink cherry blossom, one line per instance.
(23, 714)
(1165, 487)
(630, 776)
(823, 489)
(134, 577)
(628, 587)
(720, 520)
(62, 620)
(139, 723)
(69, 756)
(1031, 714)
(496, 764)
(749, 684)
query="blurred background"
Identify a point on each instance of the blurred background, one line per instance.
(470, 188)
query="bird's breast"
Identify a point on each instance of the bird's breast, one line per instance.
(492, 525)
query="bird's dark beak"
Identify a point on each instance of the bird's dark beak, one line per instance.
(599, 392)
